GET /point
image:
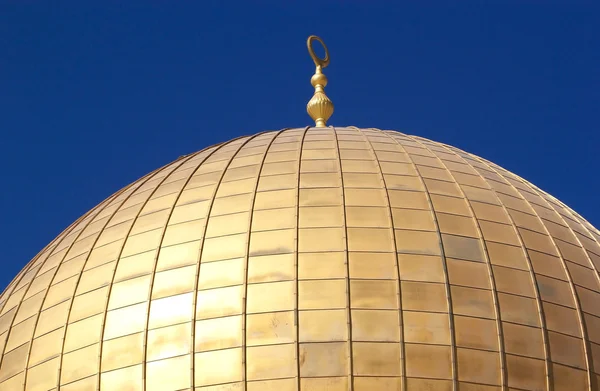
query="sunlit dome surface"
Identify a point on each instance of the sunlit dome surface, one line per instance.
(312, 259)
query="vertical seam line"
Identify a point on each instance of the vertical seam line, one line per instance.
(532, 273)
(347, 262)
(584, 335)
(247, 255)
(296, 263)
(453, 351)
(199, 263)
(399, 294)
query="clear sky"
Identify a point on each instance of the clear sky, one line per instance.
(94, 95)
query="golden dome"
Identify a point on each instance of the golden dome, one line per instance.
(312, 259)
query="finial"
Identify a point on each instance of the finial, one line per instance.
(320, 107)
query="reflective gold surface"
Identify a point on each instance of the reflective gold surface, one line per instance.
(313, 259)
(320, 107)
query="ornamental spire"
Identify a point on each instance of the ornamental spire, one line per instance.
(320, 107)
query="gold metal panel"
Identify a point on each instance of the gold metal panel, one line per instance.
(189, 212)
(567, 378)
(52, 318)
(14, 362)
(421, 268)
(218, 333)
(13, 383)
(129, 378)
(43, 377)
(476, 333)
(129, 292)
(270, 268)
(408, 199)
(123, 352)
(231, 204)
(60, 292)
(417, 242)
(477, 366)
(518, 309)
(80, 363)
(321, 239)
(457, 225)
(371, 265)
(320, 384)
(566, 350)
(21, 333)
(402, 182)
(420, 296)
(219, 302)
(272, 242)
(370, 239)
(269, 328)
(547, 265)
(506, 255)
(172, 373)
(523, 340)
(461, 247)
(125, 321)
(445, 204)
(83, 333)
(367, 166)
(322, 326)
(169, 342)
(231, 224)
(525, 373)
(561, 319)
(271, 219)
(96, 278)
(173, 282)
(321, 165)
(276, 199)
(323, 216)
(88, 304)
(555, 291)
(326, 265)
(467, 273)
(320, 294)
(226, 247)
(413, 219)
(429, 361)
(87, 384)
(135, 266)
(365, 197)
(430, 385)
(141, 242)
(178, 255)
(268, 362)
(183, 232)
(375, 217)
(323, 359)
(219, 366)
(472, 302)
(513, 281)
(273, 296)
(221, 274)
(426, 327)
(46, 346)
(289, 384)
(373, 294)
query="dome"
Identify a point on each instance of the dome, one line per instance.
(312, 259)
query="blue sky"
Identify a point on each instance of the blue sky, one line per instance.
(94, 95)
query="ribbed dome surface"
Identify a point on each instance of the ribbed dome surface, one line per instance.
(312, 259)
